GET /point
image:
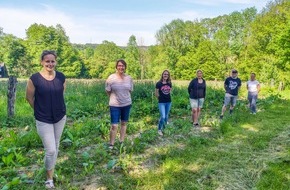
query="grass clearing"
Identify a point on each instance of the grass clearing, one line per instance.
(241, 152)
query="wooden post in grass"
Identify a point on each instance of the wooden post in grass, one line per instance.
(281, 86)
(11, 96)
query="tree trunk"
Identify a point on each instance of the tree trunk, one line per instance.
(12, 82)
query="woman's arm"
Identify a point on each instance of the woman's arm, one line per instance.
(30, 91)
(204, 88)
(64, 87)
(157, 92)
(190, 86)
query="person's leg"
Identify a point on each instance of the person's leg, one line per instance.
(46, 133)
(254, 102)
(125, 113)
(198, 114)
(115, 117)
(167, 110)
(123, 131)
(250, 101)
(194, 115)
(194, 105)
(162, 115)
(233, 103)
(113, 133)
(200, 105)
(58, 129)
(226, 102)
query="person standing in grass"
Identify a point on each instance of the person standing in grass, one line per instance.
(45, 94)
(232, 86)
(253, 87)
(119, 87)
(162, 92)
(197, 92)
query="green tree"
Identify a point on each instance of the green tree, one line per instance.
(132, 56)
(13, 54)
(41, 37)
(267, 45)
(103, 62)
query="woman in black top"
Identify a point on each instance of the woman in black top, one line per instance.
(45, 94)
(197, 92)
(162, 92)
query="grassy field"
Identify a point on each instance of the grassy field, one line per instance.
(242, 151)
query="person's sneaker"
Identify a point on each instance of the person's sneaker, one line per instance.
(254, 113)
(196, 125)
(160, 133)
(221, 116)
(49, 184)
(111, 146)
(231, 111)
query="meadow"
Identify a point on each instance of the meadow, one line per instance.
(242, 151)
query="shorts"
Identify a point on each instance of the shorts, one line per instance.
(196, 103)
(230, 99)
(118, 113)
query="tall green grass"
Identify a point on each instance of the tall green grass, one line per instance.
(242, 151)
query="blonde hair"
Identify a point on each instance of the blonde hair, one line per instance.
(199, 70)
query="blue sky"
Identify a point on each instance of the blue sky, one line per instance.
(93, 21)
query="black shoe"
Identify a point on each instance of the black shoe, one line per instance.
(231, 111)
(221, 116)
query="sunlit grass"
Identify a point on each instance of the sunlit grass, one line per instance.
(242, 151)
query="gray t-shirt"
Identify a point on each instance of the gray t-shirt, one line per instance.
(120, 89)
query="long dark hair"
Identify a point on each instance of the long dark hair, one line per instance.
(169, 78)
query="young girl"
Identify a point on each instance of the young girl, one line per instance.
(162, 92)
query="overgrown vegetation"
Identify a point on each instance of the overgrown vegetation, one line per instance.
(241, 152)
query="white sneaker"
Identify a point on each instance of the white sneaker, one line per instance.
(160, 133)
(49, 184)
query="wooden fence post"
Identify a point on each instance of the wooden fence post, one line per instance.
(12, 82)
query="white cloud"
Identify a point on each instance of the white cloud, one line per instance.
(16, 21)
(92, 29)
(116, 26)
(257, 3)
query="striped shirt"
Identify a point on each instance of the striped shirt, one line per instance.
(120, 90)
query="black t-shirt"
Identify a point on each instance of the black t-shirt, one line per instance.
(49, 105)
(164, 92)
(232, 85)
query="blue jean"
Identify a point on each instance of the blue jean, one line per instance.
(119, 112)
(252, 97)
(164, 109)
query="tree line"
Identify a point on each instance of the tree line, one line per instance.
(245, 40)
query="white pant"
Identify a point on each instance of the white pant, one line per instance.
(50, 135)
